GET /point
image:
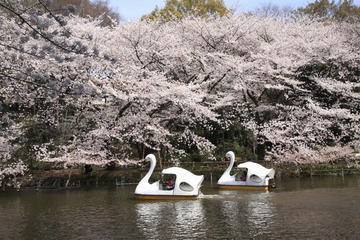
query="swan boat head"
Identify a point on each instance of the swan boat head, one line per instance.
(150, 158)
(230, 156)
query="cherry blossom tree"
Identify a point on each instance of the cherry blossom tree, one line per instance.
(98, 93)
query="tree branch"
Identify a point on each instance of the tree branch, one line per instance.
(216, 83)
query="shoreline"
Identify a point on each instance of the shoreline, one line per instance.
(77, 178)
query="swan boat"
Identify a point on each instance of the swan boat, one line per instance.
(186, 186)
(255, 177)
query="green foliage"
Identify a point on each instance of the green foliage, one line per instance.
(340, 71)
(178, 9)
(330, 142)
(38, 133)
(317, 148)
(42, 165)
(356, 149)
(195, 157)
(343, 10)
(275, 96)
(155, 177)
(26, 154)
(245, 152)
(94, 173)
(236, 138)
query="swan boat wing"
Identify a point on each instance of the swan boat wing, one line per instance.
(187, 183)
(257, 169)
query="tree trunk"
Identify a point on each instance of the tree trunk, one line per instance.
(223, 141)
(143, 151)
(160, 162)
(68, 181)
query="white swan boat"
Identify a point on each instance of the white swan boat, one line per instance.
(186, 186)
(253, 177)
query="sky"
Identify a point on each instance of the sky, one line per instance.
(134, 9)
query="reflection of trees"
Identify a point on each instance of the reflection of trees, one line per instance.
(11, 214)
(322, 213)
(34, 216)
(181, 219)
(93, 214)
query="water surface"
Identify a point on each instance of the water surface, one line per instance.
(313, 208)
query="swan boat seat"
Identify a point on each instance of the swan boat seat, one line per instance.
(256, 177)
(187, 185)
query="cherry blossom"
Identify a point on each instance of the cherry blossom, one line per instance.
(102, 91)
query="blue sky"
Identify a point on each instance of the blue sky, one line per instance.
(134, 9)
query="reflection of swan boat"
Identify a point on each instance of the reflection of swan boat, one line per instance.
(254, 176)
(186, 185)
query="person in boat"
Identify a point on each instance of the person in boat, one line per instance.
(243, 176)
(170, 184)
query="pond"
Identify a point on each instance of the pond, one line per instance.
(316, 208)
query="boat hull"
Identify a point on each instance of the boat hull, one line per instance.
(244, 187)
(164, 197)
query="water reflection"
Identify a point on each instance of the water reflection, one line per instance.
(11, 212)
(318, 208)
(247, 212)
(170, 218)
(148, 219)
(260, 213)
(233, 216)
